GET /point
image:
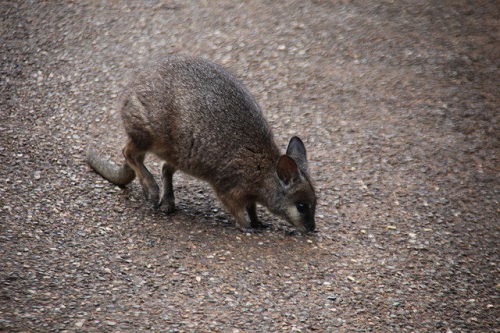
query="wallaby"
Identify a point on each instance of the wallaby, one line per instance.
(197, 118)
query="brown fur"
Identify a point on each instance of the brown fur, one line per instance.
(199, 119)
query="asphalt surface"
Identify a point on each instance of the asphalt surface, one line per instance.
(396, 101)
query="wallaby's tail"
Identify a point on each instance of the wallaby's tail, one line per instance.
(118, 175)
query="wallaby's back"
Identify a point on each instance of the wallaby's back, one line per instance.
(195, 115)
(199, 119)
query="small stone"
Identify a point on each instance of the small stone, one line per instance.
(337, 322)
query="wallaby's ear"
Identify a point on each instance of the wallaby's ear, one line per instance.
(297, 151)
(287, 169)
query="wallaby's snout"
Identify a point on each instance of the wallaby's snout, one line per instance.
(197, 118)
(309, 223)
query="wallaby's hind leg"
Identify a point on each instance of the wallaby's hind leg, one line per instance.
(135, 159)
(167, 203)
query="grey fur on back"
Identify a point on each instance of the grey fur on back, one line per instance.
(222, 115)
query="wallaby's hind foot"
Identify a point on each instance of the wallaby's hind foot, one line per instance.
(118, 175)
(166, 206)
(167, 203)
(135, 159)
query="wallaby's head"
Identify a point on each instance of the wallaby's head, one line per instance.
(295, 199)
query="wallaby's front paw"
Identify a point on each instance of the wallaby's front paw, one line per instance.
(167, 206)
(258, 225)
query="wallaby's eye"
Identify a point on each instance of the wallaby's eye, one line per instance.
(301, 207)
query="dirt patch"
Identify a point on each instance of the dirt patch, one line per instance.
(397, 103)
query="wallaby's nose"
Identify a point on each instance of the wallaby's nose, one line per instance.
(310, 225)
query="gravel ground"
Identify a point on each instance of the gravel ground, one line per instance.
(397, 102)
